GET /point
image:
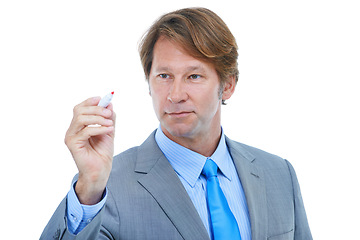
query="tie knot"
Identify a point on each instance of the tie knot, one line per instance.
(210, 169)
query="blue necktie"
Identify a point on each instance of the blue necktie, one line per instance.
(223, 222)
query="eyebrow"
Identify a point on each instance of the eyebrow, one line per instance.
(188, 69)
(194, 68)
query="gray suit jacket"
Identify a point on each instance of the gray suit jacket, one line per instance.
(146, 199)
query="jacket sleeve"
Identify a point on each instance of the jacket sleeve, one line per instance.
(57, 226)
(302, 229)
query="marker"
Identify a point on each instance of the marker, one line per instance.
(105, 101)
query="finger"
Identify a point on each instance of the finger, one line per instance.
(92, 110)
(86, 120)
(93, 101)
(85, 116)
(88, 113)
(110, 107)
(113, 118)
(89, 132)
(83, 136)
(81, 121)
(89, 107)
(113, 115)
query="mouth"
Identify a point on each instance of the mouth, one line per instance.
(179, 114)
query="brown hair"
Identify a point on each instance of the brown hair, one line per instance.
(201, 32)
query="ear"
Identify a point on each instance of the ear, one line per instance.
(229, 88)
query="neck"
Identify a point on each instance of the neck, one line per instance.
(204, 144)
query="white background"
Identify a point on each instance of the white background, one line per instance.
(297, 96)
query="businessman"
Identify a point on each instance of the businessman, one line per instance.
(187, 180)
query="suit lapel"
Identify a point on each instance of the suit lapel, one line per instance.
(252, 181)
(164, 185)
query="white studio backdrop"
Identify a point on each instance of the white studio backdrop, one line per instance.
(297, 96)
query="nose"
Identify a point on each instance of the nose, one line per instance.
(177, 93)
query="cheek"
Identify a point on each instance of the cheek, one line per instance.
(157, 100)
(208, 100)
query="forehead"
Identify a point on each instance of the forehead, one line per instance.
(168, 54)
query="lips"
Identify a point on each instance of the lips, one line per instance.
(179, 114)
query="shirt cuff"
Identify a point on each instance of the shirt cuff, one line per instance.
(79, 215)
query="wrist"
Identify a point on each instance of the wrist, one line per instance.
(89, 193)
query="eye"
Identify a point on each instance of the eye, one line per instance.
(164, 75)
(194, 76)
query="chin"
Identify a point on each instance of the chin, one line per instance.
(179, 130)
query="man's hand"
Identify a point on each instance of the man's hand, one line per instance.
(92, 148)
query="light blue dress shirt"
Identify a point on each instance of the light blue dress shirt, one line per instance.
(80, 215)
(188, 166)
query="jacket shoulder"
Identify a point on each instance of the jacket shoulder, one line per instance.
(256, 155)
(125, 160)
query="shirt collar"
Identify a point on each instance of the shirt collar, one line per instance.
(189, 164)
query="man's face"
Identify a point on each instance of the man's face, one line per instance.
(185, 92)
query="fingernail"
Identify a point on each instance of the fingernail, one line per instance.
(95, 99)
(106, 111)
(109, 122)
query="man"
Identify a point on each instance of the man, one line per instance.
(163, 189)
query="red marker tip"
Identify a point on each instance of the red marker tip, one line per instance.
(112, 93)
